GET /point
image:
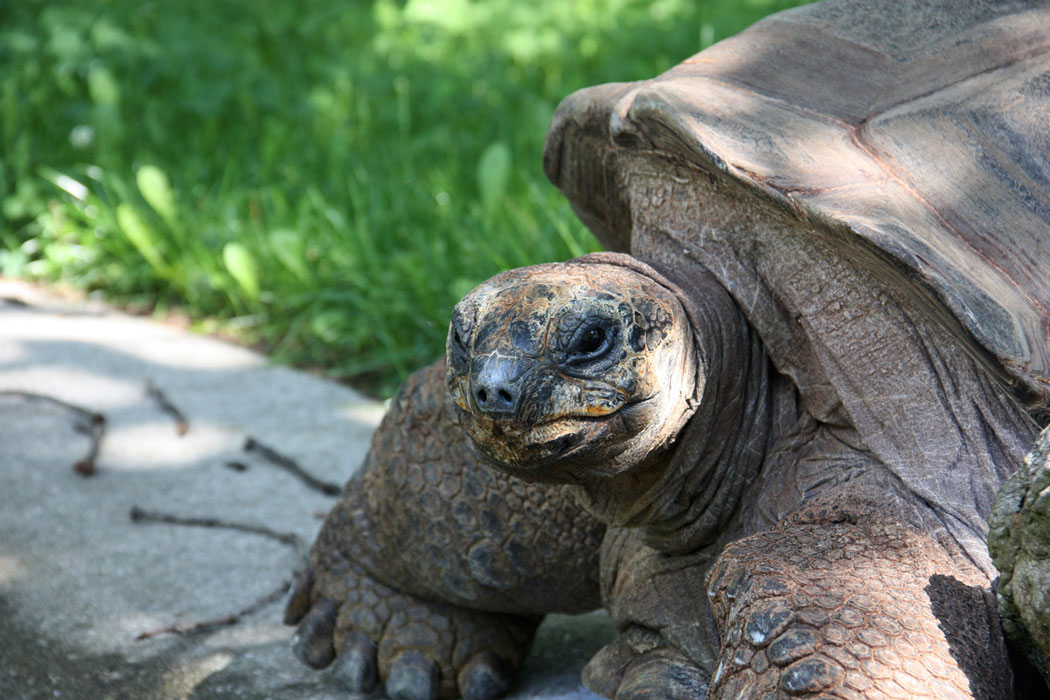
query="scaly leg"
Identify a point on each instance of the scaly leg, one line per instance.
(433, 571)
(666, 646)
(831, 605)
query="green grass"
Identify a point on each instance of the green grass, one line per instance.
(326, 177)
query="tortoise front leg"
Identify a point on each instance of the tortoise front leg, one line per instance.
(666, 645)
(432, 573)
(825, 605)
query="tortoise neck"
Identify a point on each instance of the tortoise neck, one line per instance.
(683, 495)
(722, 447)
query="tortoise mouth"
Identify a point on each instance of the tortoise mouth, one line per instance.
(559, 437)
(536, 450)
(556, 433)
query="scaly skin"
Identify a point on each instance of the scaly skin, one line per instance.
(432, 572)
(839, 600)
(666, 650)
(842, 602)
(753, 549)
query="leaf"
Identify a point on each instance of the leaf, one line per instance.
(328, 325)
(287, 246)
(102, 86)
(155, 187)
(13, 262)
(141, 236)
(241, 265)
(493, 173)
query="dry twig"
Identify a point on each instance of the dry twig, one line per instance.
(93, 424)
(138, 515)
(225, 621)
(291, 466)
(164, 404)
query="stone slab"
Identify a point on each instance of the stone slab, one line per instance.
(79, 581)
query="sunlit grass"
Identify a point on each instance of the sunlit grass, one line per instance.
(327, 177)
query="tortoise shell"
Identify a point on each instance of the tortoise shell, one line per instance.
(912, 138)
(870, 181)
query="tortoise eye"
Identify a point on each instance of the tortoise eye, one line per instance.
(457, 336)
(591, 342)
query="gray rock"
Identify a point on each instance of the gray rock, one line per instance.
(1019, 541)
(79, 581)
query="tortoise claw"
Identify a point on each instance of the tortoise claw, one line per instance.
(661, 676)
(355, 668)
(313, 641)
(488, 675)
(412, 677)
(299, 601)
(603, 673)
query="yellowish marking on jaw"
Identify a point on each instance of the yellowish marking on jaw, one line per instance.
(596, 411)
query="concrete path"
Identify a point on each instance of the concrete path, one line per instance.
(80, 582)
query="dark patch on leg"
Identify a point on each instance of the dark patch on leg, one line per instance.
(968, 618)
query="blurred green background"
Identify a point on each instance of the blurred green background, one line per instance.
(322, 177)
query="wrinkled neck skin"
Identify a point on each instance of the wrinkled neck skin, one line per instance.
(683, 497)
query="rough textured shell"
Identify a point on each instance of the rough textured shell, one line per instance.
(920, 131)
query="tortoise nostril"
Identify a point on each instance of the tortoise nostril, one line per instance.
(495, 385)
(496, 400)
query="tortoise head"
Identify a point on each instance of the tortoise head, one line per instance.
(572, 371)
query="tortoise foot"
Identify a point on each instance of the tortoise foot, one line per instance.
(370, 634)
(662, 673)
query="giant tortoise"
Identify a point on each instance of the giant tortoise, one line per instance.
(767, 430)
